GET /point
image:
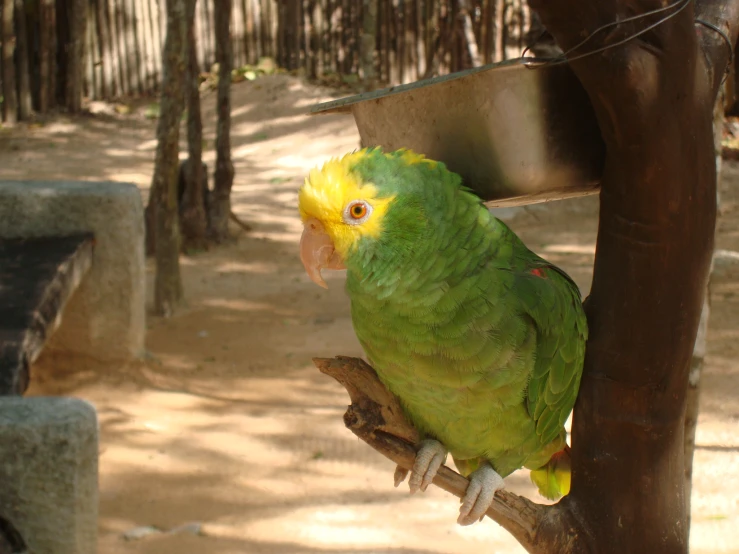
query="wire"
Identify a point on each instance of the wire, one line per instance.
(564, 58)
(724, 36)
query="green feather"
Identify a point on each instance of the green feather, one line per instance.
(482, 340)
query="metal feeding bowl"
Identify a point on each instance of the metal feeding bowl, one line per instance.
(518, 132)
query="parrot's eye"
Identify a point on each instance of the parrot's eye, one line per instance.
(357, 212)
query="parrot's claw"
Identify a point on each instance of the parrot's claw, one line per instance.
(479, 496)
(399, 475)
(429, 459)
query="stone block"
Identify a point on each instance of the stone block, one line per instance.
(49, 472)
(105, 318)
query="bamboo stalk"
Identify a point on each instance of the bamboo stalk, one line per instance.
(357, 9)
(272, 29)
(147, 40)
(199, 33)
(258, 30)
(106, 79)
(10, 95)
(88, 81)
(208, 36)
(117, 18)
(237, 33)
(281, 57)
(47, 52)
(25, 103)
(129, 58)
(139, 42)
(114, 47)
(498, 30)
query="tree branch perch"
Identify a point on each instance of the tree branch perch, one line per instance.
(375, 416)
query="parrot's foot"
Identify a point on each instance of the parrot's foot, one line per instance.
(429, 459)
(479, 496)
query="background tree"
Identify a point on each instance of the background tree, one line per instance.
(193, 176)
(224, 173)
(657, 219)
(163, 193)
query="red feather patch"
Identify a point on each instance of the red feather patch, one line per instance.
(538, 272)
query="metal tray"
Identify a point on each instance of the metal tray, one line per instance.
(518, 132)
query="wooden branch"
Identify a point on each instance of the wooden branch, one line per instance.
(376, 417)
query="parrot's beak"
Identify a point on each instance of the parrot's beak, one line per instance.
(317, 251)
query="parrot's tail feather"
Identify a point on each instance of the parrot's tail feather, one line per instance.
(553, 479)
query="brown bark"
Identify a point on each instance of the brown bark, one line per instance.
(224, 173)
(163, 193)
(75, 55)
(657, 216)
(10, 97)
(193, 219)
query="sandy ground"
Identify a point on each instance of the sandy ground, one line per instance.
(228, 424)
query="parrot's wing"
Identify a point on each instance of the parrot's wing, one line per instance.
(552, 300)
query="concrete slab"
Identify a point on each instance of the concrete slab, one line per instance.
(105, 319)
(49, 472)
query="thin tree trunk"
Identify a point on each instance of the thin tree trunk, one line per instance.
(75, 59)
(692, 404)
(369, 44)
(224, 172)
(10, 96)
(657, 220)
(25, 103)
(163, 194)
(192, 212)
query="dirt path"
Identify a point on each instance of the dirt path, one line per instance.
(229, 425)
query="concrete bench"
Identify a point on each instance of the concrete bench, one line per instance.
(72, 290)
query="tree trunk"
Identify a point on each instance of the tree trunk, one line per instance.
(692, 406)
(224, 172)
(75, 54)
(10, 97)
(192, 212)
(657, 217)
(369, 44)
(163, 194)
(25, 103)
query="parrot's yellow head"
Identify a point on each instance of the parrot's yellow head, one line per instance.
(347, 207)
(346, 200)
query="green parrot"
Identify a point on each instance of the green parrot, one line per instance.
(480, 339)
